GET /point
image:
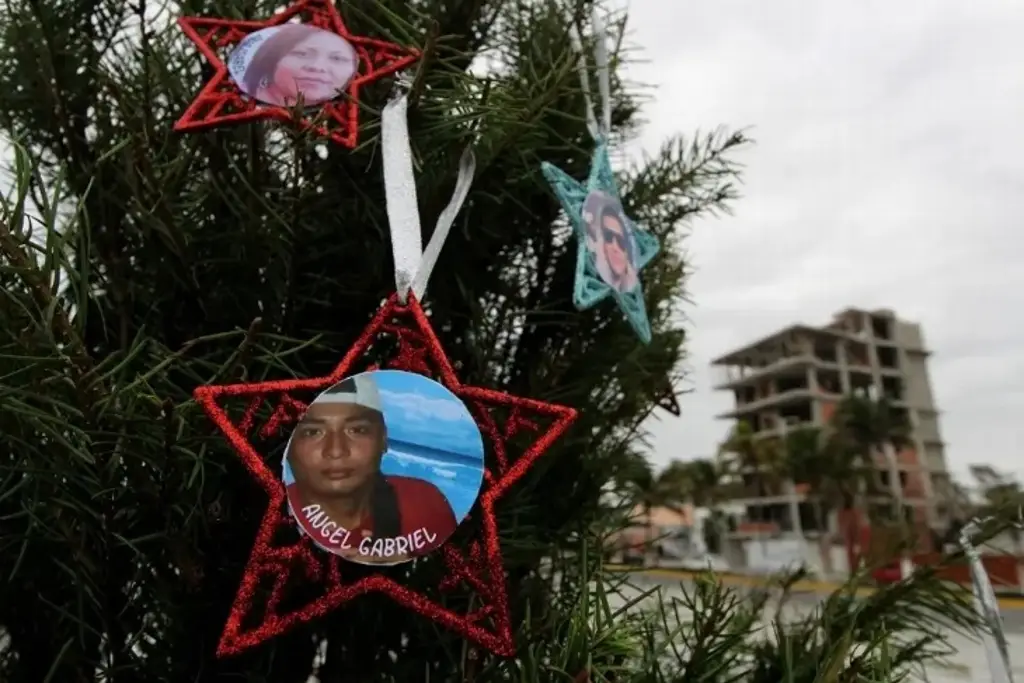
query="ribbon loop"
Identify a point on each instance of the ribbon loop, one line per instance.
(467, 168)
(413, 265)
(599, 127)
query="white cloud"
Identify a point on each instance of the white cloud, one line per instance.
(888, 172)
(406, 460)
(419, 408)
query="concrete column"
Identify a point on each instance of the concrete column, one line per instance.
(812, 379)
(794, 502)
(844, 368)
(924, 470)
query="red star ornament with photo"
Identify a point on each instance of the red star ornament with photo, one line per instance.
(259, 611)
(221, 102)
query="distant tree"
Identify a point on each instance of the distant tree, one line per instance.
(835, 473)
(697, 481)
(804, 462)
(700, 483)
(1000, 492)
(753, 459)
(875, 426)
(649, 490)
(1004, 491)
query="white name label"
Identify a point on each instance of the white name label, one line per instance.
(332, 534)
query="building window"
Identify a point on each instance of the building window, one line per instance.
(797, 413)
(826, 352)
(829, 382)
(881, 328)
(784, 384)
(857, 354)
(892, 388)
(888, 357)
(901, 415)
(861, 383)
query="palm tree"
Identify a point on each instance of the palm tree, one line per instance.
(707, 478)
(875, 426)
(1001, 492)
(749, 457)
(698, 481)
(649, 490)
(678, 478)
(803, 462)
(782, 466)
(872, 426)
(833, 472)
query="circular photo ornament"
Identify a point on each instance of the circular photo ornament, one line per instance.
(610, 241)
(283, 65)
(383, 467)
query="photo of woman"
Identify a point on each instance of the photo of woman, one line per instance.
(610, 241)
(282, 65)
(383, 466)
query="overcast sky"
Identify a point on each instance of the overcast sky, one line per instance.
(888, 172)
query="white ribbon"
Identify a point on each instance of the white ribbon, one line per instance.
(413, 265)
(599, 128)
(996, 650)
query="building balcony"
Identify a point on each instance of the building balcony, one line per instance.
(779, 431)
(781, 398)
(732, 376)
(736, 376)
(750, 496)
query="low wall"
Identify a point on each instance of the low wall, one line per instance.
(1003, 571)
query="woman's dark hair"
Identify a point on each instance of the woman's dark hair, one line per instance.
(267, 55)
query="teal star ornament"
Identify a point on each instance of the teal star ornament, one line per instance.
(612, 250)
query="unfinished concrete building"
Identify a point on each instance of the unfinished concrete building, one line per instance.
(796, 376)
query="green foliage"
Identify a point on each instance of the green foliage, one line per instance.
(756, 462)
(708, 632)
(871, 424)
(825, 460)
(1001, 491)
(137, 263)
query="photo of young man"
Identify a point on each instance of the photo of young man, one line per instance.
(338, 486)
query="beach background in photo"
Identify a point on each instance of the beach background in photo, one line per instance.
(431, 436)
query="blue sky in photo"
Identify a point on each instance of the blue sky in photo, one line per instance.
(431, 436)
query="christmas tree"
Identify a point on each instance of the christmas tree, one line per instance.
(138, 263)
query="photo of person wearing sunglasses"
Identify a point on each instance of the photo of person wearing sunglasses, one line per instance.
(610, 241)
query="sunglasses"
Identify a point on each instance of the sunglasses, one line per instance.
(614, 236)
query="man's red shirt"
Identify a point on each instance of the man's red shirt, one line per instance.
(427, 522)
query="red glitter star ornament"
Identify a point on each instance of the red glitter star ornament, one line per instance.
(222, 102)
(282, 557)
